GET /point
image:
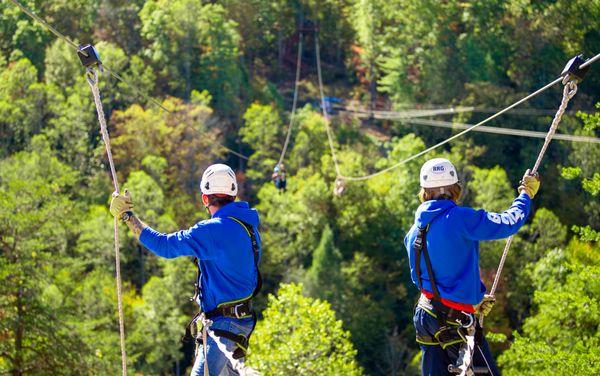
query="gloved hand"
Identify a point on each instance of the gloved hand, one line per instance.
(120, 204)
(485, 306)
(530, 183)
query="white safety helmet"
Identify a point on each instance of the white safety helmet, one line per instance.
(219, 179)
(438, 172)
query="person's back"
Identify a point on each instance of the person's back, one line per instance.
(443, 252)
(223, 248)
(453, 244)
(227, 248)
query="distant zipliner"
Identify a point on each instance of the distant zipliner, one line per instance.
(279, 178)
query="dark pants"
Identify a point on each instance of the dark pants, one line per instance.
(435, 361)
(280, 184)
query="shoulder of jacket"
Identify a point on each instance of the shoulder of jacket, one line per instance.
(207, 223)
(462, 213)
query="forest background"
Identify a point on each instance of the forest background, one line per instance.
(337, 297)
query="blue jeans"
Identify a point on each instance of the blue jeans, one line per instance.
(435, 360)
(218, 364)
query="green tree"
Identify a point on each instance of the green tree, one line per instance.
(181, 137)
(301, 336)
(585, 160)
(36, 223)
(161, 315)
(563, 333)
(197, 47)
(262, 130)
(21, 105)
(323, 277)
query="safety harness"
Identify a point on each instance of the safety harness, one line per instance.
(454, 326)
(238, 309)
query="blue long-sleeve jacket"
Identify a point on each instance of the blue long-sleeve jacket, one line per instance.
(453, 244)
(224, 251)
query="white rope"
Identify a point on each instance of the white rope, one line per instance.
(324, 108)
(437, 110)
(467, 351)
(569, 90)
(295, 102)
(237, 364)
(590, 61)
(405, 114)
(502, 131)
(414, 156)
(92, 78)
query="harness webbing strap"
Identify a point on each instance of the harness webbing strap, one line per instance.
(421, 249)
(255, 250)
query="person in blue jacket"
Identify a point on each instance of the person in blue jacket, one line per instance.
(227, 249)
(443, 252)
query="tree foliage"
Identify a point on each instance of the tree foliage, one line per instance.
(301, 335)
(224, 73)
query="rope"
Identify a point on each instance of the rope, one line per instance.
(488, 119)
(438, 110)
(237, 364)
(295, 102)
(503, 131)
(92, 78)
(406, 114)
(325, 114)
(590, 61)
(35, 17)
(485, 360)
(414, 156)
(569, 90)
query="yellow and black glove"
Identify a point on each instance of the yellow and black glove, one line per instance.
(530, 184)
(485, 306)
(121, 204)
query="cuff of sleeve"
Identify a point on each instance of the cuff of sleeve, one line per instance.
(525, 196)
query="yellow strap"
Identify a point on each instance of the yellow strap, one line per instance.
(434, 315)
(240, 222)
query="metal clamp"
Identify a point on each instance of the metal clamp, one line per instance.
(471, 320)
(235, 310)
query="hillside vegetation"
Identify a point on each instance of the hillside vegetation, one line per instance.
(337, 296)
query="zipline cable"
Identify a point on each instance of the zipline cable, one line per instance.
(53, 30)
(442, 110)
(405, 114)
(324, 108)
(295, 102)
(502, 131)
(92, 79)
(569, 91)
(414, 156)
